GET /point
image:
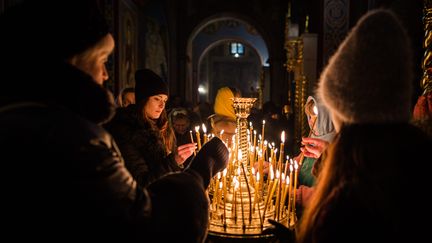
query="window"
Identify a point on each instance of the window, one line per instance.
(236, 49)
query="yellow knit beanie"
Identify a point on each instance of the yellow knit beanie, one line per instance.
(224, 104)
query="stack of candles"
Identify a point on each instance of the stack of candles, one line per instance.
(244, 196)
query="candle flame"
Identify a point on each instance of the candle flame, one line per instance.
(295, 165)
(220, 185)
(315, 110)
(240, 155)
(253, 171)
(204, 128)
(263, 122)
(257, 176)
(197, 129)
(254, 132)
(287, 180)
(236, 183)
(219, 175)
(283, 136)
(271, 172)
(225, 171)
(291, 168)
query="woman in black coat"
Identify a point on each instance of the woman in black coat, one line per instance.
(143, 133)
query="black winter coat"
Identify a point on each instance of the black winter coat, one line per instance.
(67, 178)
(141, 147)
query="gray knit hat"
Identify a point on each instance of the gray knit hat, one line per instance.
(369, 78)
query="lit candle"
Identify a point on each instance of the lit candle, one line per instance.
(295, 185)
(254, 144)
(204, 128)
(262, 132)
(281, 153)
(271, 153)
(270, 195)
(215, 195)
(192, 141)
(290, 191)
(278, 195)
(236, 185)
(251, 157)
(250, 131)
(257, 199)
(219, 199)
(257, 194)
(260, 168)
(284, 194)
(286, 165)
(198, 137)
(224, 186)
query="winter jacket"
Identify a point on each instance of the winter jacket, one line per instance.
(68, 176)
(142, 148)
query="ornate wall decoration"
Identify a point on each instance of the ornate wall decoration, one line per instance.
(128, 43)
(155, 55)
(336, 25)
(426, 82)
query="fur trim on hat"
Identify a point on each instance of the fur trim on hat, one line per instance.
(369, 78)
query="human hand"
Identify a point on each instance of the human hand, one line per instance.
(184, 151)
(212, 158)
(313, 147)
(282, 233)
(266, 166)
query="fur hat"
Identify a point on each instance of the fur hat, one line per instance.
(369, 78)
(148, 83)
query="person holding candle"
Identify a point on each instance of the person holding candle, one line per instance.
(144, 134)
(321, 135)
(181, 124)
(224, 118)
(69, 178)
(364, 190)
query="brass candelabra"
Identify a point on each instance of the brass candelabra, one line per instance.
(242, 199)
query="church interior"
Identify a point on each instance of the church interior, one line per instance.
(272, 55)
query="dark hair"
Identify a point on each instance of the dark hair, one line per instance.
(363, 175)
(161, 125)
(236, 92)
(127, 90)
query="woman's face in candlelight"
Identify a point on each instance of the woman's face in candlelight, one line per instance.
(92, 61)
(155, 105)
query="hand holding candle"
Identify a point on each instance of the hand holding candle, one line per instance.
(192, 140)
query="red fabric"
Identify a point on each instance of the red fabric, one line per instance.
(423, 107)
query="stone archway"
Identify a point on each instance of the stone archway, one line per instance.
(213, 31)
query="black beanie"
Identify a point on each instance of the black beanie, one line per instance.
(148, 83)
(81, 26)
(64, 28)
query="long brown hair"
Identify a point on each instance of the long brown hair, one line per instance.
(160, 125)
(363, 170)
